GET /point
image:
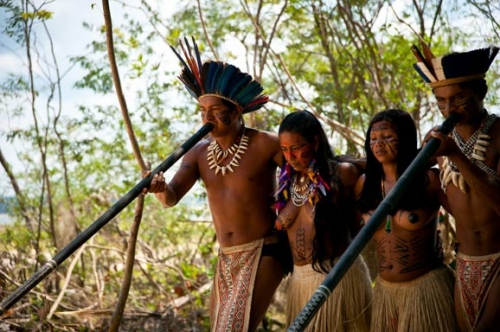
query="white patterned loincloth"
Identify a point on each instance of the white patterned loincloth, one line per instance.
(475, 275)
(233, 286)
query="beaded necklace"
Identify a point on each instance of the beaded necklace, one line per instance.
(215, 155)
(475, 150)
(298, 198)
(317, 187)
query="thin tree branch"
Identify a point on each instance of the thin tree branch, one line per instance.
(17, 191)
(27, 38)
(345, 131)
(204, 26)
(129, 266)
(488, 13)
(55, 122)
(118, 86)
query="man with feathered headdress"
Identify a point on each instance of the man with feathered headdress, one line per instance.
(469, 162)
(238, 167)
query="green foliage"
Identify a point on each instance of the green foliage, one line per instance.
(15, 237)
(40, 15)
(344, 59)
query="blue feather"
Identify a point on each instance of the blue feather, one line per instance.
(322, 188)
(187, 76)
(197, 52)
(226, 75)
(421, 73)
(213, 76)
(208, 70)
(281, 188)
(248, 93)
(239, 84)
(218, 78)
(184, 64)
(233, 83)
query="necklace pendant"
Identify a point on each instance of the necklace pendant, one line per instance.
(475, 149)
(450, 173)
(215, 155)
(388, 225)
(300, 194)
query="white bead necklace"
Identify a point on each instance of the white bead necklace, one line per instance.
(215, 155)
(475, 150)
(299, 199)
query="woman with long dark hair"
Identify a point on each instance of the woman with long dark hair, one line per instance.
(413, 290)
(315, 205)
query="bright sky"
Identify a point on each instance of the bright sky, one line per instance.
(70, 38)
(65, 26)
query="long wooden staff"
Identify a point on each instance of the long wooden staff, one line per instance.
(418, 165)
(84, 236)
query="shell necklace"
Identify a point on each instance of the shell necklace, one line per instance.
(298, 198)
(475, 150)
(215, 155)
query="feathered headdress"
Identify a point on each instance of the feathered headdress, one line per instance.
(453, 68)
(219, 79)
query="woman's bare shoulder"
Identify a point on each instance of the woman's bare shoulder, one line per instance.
(359, 186)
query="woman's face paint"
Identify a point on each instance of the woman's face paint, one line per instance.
(297, 151)
(384, 141)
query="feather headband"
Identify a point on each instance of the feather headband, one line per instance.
(219, 79)
(453, 68)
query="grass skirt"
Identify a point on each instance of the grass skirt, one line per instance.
(421, 305)
(346, 309)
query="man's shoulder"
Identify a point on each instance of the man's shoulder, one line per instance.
(358, 162)
(348, 173)
(266, 145)
(432, 172)
(261, 133)
(263, 137)
(348, 168)
(198, 148)
(494, 133)
(203, 144)
(495, 126)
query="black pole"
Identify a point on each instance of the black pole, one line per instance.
(84, 236)
(418, 165)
